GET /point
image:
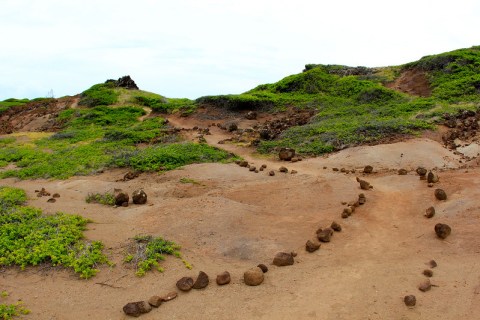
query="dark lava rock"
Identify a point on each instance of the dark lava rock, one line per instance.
(336, 227)
(410, 300)
(185, 284)
(425, 286)
(253, 277)
(263, 267)
(135, 309)
(121, 198)
(139, 196)
(170, 296)
(223, 278)
(283, 259)
(283, 169)
(442, 230)
(402, 172)
(125, 82)
(325, 235)
(311, 246)
(428, 273)
(421, 171)
(155, 301)
(202, 281)
(429, 212)
(440, 194)
(368, 169)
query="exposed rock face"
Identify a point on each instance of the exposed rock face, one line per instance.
(440, 194)
(253, 277)
(286, 154)
(442, 230)
(135, 309)
(311, 246)
(202, 281)
(124, 82)
(185, 284)
(223, 278)
(139, 197)
(410, 300)
(283, 259)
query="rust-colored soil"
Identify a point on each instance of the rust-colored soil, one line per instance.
(413, 82)
(234, 219)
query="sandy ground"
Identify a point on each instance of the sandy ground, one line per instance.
(235, 219)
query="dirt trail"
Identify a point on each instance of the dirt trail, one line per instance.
(234, 219)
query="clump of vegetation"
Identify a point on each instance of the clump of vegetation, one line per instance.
(9, 311)
(27, 237)
(188, 180)
(102, 94)
(106, 198)
(146, 251)
(12, 102)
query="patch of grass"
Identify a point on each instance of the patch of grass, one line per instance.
(188, 180)
(10, 197)
(27, 237)
(103, 94)
(12, 102)
(106, 198)
(147, 251)
(10, 311)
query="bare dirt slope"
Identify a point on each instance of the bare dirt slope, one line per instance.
(234, 219)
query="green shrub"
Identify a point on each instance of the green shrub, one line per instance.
(10, 197)
(106, 198)
(102, 94)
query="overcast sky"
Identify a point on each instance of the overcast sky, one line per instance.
(191, 48)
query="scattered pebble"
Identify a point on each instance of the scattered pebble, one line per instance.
(410, 300)
(442, 230)
(428, 273)
(185, 284)
(425, 286)
(429, 212)
(223, 278)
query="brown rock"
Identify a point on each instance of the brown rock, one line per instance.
(283, 259)
(125, 204)
(202, 281)
(252, 168)
(345, 215)
(425, 286)
(429, 212)
(263, 267)
(311, 246)
(432, 264)
(286, 154)
(253, 277)
(251, 115)
(223, 278)
(402, 172)
(155, 301)
(243, 164)
(432, 177)
(348, 211)
(293, 171)
(264, 166)
(336, 227)
(428, 273)
(283, 169)
(51, 200)
(442, 230)
(421, 171)
(271, 173)
(55, 195)
(231, 126)
(325, 235)
(368, 169)
(170, 296)
(362, 201)
(185, 284)
(364, 185)
(410, 300)
(335, 169)
(121, 197)
(139, 196)
(135, 309)
(440, 194)
(343, 170)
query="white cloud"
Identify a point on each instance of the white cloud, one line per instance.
(192, 48)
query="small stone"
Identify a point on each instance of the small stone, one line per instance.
(185, 284)
(442, 230)
(432, 177)
(311, 246)
(283, 169)
(335, 169)
(170, 296)
(348, 211)
(155, 301)
(362, 201)
(223, 278)
(271, 173)
(121, 198)
(345, 215)
(243, 164)
(402, 172)
(428, 273)
(440, 194)
(432, 264)
(263, 267)
(421, 171)
(364, 185)
(135, 309)
(325, 235)
(429, 212)
(202, 281)
(264, 166)
(256, 171)
(336, 227)
(252, 168)
(55, 195)
(253, 277)
(283, 259)
(410, 300)
(343, 170)
(51, 200)
(368, 169)
(361, 195)
(293, 172)
(139, 197)
(425, 286)
(293, 253)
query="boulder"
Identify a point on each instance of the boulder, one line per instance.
(185, 284)
(223, 278)
(410, 300)
(286, 154)
(325, 235)
(442, 230)
(253, 277)
(283, 259)
(311, 246)
(364, 185)
(368, 169)
(429, 212)
(202, 281)
(135, 309)
(139, 197)
(440, 194)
